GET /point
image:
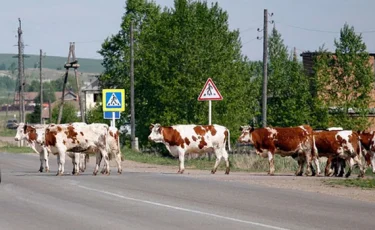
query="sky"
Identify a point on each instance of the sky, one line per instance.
(304, 24)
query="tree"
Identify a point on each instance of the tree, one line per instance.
(12, 68)
(176, 50)
(48, 93)
(289, 97)
(3, 66)
(69, 114)
(345, 79)
(34, 117)
(95, 115)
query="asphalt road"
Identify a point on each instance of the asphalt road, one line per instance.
(134, 200)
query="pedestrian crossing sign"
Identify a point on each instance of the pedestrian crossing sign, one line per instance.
(113, 100)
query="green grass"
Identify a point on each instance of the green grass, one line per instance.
(4, 132)
(15, 149)
(368, 183)
(52, 62)
(238, 162)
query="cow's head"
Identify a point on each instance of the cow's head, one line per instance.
(21, 132)
(156, 134)
(245, 136)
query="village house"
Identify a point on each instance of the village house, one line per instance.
(308, 64)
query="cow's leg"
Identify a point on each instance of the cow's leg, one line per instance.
(226, 158)
(98, 160)
(219, 155)
(357, 160)
(341, 167)
(317, 165)
(372, 154)
(308, 164)
(271, 163)
(82, 162)
(46, 161)
(301, 163)
(351, 164)
(75, 160)
(41, 159)
(118, 162)
(328, 171)
(106, 161)
(181, 159)
(62, 162)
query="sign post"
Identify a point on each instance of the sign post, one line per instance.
(114, 102)
(210, 93)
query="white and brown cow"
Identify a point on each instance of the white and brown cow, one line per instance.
(187, 139)
(368, 143)
(77, 138)
(296, 142)
(29, 133)
(343, 144)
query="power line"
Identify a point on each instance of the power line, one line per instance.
(249, 41)
(322, 31)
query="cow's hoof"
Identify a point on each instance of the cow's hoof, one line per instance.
(182, 171)
(94, 173)
(47, 170)
(119, 172)
(227, 171)
(213, 171)
(59, 174)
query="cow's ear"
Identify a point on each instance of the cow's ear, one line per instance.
(151, 126)
(241, 128)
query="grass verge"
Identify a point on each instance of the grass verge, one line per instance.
(368, 183)
(4, 132)
(15, 149)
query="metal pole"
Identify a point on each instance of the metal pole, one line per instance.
(264, 86)
(209, 111)
(132, 111)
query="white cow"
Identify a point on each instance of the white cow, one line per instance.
(29, 133)
(185, 139)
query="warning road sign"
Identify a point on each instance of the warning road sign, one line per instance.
(113, 100)
(210, 92)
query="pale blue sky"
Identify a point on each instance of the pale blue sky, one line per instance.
(50, 25)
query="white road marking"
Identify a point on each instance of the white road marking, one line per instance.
(183, 209)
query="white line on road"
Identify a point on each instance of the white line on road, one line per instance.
(183, 209)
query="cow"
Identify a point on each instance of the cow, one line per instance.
(296, 142)
(367, 139)
(64, 138)
(187, 139)
(344, 144)
(29, 133)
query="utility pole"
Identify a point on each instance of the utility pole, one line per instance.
(78, 86)
(70, 64)
(20, 75)
(41, 86)
(265, 58)
(134, 142)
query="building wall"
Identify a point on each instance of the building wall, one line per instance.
(308, 64)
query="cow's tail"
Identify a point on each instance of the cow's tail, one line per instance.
(229, 149)
(87, 158)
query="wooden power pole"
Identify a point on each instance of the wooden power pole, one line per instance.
(265, 77)
(41, 87)
(70, 64)
(21, 75)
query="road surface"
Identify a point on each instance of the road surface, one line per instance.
(139, 200)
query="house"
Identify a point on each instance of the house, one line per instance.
(308, 64)
(92, 95)
(69, 97)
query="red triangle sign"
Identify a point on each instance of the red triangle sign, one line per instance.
(210, 92)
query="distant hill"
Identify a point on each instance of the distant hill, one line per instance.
(52, 62)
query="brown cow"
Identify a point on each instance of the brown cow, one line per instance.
(344, 144)
(296, 142)
(368, 143)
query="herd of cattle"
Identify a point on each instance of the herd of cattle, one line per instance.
(79, 140)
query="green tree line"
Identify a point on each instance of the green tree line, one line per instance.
(178, 48)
